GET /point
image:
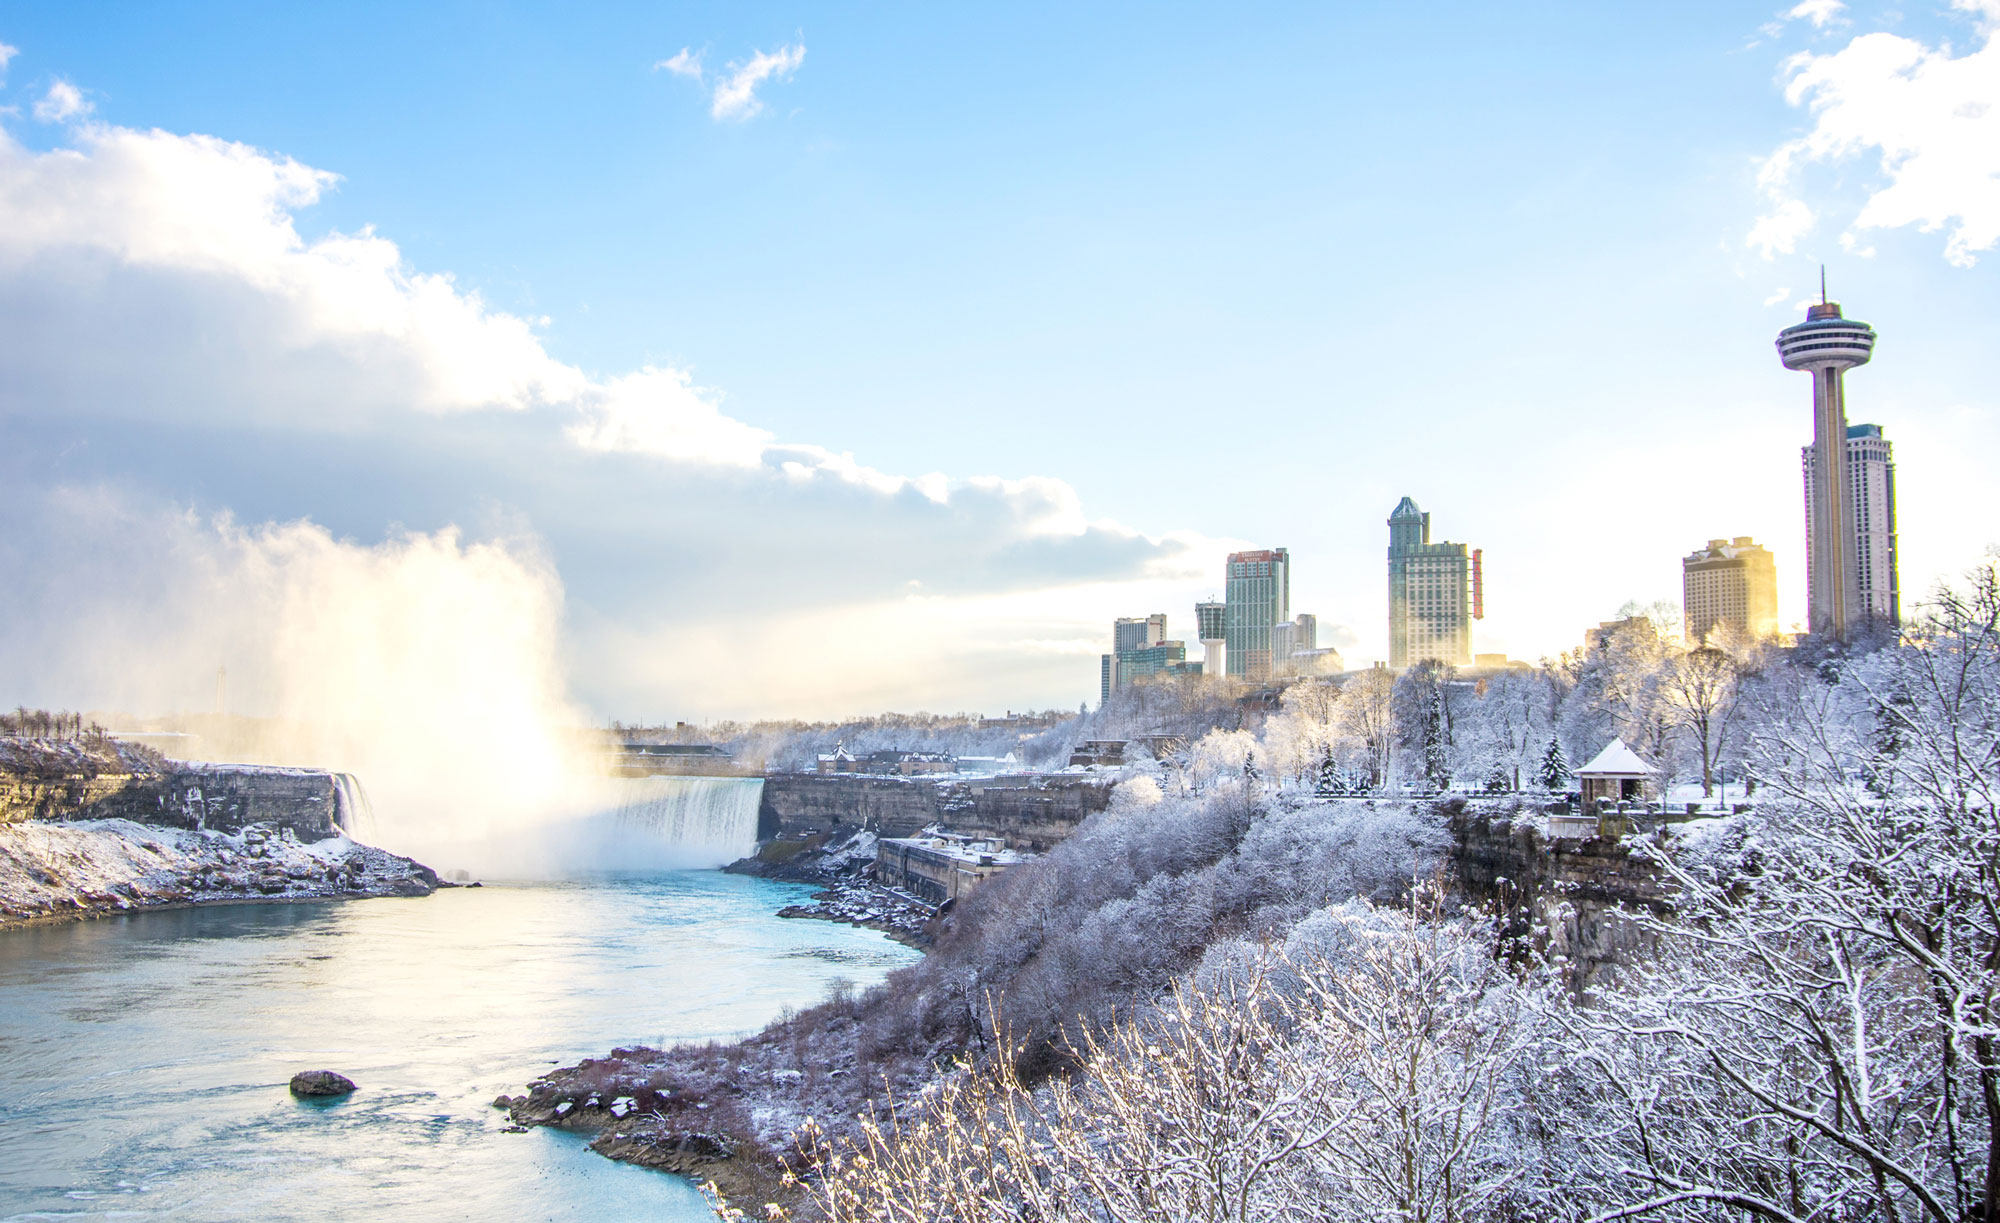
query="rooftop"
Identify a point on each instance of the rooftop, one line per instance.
(1616, 760)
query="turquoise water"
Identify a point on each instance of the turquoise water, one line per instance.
(143, 1059)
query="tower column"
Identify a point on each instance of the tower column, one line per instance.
(1833, 517)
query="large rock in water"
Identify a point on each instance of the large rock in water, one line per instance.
(321, 1083)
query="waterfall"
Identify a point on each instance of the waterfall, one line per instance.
(353, 814)
(712, 818)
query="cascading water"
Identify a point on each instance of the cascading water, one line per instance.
(709, 818)
(353, 814)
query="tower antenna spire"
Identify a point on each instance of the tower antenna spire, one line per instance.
(1822, 284)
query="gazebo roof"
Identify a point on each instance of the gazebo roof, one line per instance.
(1616, 760)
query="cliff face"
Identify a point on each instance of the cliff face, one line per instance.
(1031, 814)
(1565, 896)
(43, 780)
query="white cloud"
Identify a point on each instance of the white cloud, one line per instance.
(163, 304)
(1777, 297)
(660, 412)
(1820, 12)
(683, 63)
(736, 94)
(1778, 231)
(63, 101)
(1932, 119)
(7, 55)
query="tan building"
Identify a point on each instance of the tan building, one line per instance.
(1730, 583)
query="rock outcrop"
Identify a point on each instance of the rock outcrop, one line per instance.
(86, 868)
(58, 779)
(321, 1083)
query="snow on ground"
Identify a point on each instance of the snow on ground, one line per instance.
(49, 868)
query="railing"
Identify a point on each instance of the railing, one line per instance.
(1568, 827)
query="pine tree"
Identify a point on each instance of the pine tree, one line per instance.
(1497, 781)
(1554, 768)
(1250, 773)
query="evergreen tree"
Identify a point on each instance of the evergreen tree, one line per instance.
(1330, 783)
(1437, 764)
(1250, 773)
(1497, 781)
(1554, 768)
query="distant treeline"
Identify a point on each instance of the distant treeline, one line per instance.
(47, 724)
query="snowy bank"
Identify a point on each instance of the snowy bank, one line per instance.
(90, 867)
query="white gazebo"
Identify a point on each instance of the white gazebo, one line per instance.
(1617, 775)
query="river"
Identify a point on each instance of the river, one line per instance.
(143, 1059)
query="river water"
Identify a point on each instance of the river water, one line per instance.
(143, 1059)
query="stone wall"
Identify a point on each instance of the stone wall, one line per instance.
(1031, 814)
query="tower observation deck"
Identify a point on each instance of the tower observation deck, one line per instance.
(1827, 346)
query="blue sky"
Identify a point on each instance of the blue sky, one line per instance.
(1182, 278)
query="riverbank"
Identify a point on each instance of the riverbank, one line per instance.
(64, 871)
(843, 868)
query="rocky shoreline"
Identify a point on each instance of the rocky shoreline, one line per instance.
(54, 871)
(844, 871)
(904, 919)
(654, 1137)
(707, 1113)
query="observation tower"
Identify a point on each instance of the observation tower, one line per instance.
(1827, 346)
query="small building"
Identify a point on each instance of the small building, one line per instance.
(1617, 775)
(939, 866)
(887, 762)
(1095, 753)
(910, 764)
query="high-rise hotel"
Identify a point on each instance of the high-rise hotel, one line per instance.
(1256, 598)
(1731, 585)
(1436, 591)
(1871, 507)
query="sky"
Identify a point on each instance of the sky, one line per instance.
(737, 360)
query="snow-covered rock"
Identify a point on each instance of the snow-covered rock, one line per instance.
(52, 869)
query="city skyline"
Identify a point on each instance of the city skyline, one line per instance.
(763, 390)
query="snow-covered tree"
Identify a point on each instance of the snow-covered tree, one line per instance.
(1817, 1037)
(1436, 749)
(1366, 720)
(1361, 1072)
(1553, 773)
